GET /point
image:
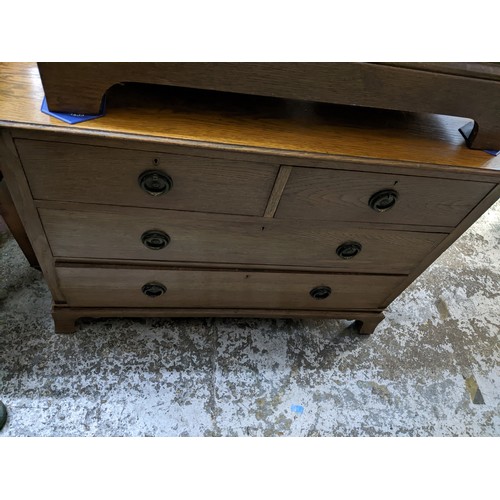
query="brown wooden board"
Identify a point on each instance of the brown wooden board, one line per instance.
(338, 195)
(21, 196)
(195, 288)
(110, 176)
(209, 238)
(439, 88)
(480, 167)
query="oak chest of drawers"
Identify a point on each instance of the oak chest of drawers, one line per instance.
(204, 204)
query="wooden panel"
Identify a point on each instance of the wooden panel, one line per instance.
(90, 174)
(340, 195)
(21, 196)
(231, 240)
(481, 70)
(102, 287)
(193, 119)
(79, 87)
(489, 171)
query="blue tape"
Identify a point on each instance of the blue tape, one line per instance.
(297, 409)
(72, 118)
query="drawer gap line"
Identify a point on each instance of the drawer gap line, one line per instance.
(147, 265)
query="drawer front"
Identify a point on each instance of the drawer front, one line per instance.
(92, 174)
(346, 196)
(119, 287)
(185, 237)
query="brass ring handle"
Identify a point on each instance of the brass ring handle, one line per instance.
(155, 182)
(320, 292)
(155, 240)
(349, 249)
(153, 289)
(383, 200)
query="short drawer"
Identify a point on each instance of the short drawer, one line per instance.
(164, 235)
(105, 175)
(190, 288)
(339, 195)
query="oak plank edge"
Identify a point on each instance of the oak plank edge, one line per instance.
(18, 187)
(234, 151)
(57, 75)
(467, 222)
(145, 211)
(479, 70)
(141, 311)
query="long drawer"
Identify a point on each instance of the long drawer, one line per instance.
(114, 233)
(93, 174)
(136, 287)
(340, 195)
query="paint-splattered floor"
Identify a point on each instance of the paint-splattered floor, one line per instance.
(431, 369)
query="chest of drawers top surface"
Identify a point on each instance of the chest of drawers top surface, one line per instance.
(193, 118)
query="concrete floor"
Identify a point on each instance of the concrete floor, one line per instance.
(431, 369)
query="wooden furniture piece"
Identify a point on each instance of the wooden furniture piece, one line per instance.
(469, 90)
(194, 203)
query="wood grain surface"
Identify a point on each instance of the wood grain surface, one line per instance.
(70, 172)
(244, 152)
(321, 194)
(420, 87)
(481, 70)
(232, 240)
(193, 117)
(101, 287)
(21, 196)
